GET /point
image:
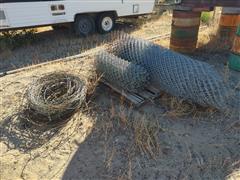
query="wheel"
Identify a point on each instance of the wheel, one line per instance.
(84, 25)
(105, 22)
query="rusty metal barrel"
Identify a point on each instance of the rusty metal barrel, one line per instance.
(234, 59)
(229, 20)
(184, 34)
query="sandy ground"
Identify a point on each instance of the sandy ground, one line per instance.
(108, 139)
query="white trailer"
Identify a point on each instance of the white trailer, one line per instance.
(85, 15)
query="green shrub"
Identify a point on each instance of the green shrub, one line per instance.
(16, 38)
(206, 17)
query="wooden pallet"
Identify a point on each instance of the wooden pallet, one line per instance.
(136, 99)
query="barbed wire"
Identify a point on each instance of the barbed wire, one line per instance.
(53, 98)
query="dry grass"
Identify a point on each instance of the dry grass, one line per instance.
(153, 27)
(92, 84)
(234, 176)
(146, 136)
(144, 130)
(109, 158)
(177, 107)
(210, 39)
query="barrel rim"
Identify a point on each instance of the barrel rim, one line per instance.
(187, 22)
(183, 50)
(183, 42)
(188, 27)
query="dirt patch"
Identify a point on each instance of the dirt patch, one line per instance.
(31, 152)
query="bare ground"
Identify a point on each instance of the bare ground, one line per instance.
(108, 139)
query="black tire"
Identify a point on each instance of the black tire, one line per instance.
(109, 18)
(84, 25)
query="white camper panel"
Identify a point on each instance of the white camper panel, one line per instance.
(37, 13)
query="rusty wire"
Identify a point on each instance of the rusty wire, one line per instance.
(52, 99)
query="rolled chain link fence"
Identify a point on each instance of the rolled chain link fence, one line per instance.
(174, 73)
(124, 74)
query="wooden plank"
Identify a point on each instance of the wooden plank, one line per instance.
(132, 97)
(146, 94)
(153, 90)
(137, 99)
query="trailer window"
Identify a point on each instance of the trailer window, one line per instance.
(61, 7)
(54, 8)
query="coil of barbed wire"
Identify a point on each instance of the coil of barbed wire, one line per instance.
(53, 98)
